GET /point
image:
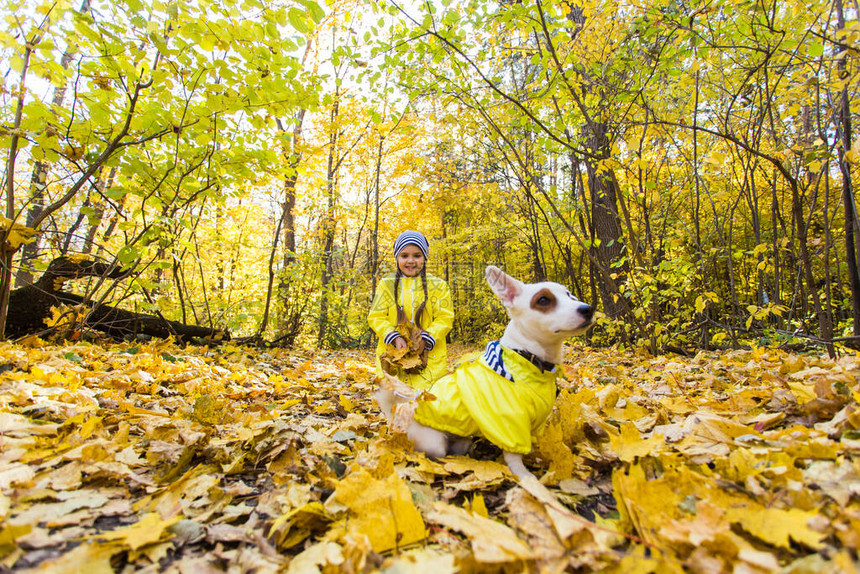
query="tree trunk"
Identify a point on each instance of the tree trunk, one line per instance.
(374, 235)
(328, 223)
(286, 226)
(32, 304)
(7, 251)
(38, 183)
(825, 324)
(289, 322)
(609, 245)
(852, 227)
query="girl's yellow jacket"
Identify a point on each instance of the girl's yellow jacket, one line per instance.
(437, 319)
(475, 400)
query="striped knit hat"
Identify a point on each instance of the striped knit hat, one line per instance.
(412, 238)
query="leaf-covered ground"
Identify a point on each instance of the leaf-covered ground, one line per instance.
(159, 458)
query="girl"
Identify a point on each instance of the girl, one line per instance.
(413, 295)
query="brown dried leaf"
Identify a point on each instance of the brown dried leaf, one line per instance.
(412, 358)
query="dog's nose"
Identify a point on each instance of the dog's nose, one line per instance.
(587, 312)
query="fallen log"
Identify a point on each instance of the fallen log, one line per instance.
(31, 305)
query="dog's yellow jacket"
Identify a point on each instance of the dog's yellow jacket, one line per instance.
(476, 400)
(437, 319)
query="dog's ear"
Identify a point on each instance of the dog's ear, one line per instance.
(503, 285)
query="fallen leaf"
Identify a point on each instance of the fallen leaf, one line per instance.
(381, 509)
(298, 524)
(147, 530)
(491, 541)
(311, 559)
(89, 557)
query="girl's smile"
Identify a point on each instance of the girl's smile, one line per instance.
(410, 261)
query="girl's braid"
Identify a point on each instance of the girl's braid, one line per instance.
(424, 302)
(401, 315)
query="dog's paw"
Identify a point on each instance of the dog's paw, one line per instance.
(516, 466)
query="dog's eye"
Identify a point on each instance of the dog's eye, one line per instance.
(543, 301)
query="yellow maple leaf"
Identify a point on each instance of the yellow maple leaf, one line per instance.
(552, 448)
(17, 234)
(630, 444)
(147, 530)
(803, 393)
(347, 404)
(645, 505)
(380, 509)
(487, 471)
(424, 464)
(776, 526)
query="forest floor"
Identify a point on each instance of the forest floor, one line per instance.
(154, 457)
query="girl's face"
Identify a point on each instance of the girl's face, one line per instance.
(410, 260)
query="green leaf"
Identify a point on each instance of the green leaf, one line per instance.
(317, 13)
(297, 19)
(128, 254)
(816, 50)
(116, 192)
(451, 17)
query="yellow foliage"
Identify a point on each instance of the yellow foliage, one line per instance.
(702, 462)
(65, 316)
(382, 510)
(147, 530)
(412, 358)
(17, 234)
(853, 154)
(89, 558)
(630, 445)
(491, 541)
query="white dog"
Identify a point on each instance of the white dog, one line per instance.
(507, 394)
